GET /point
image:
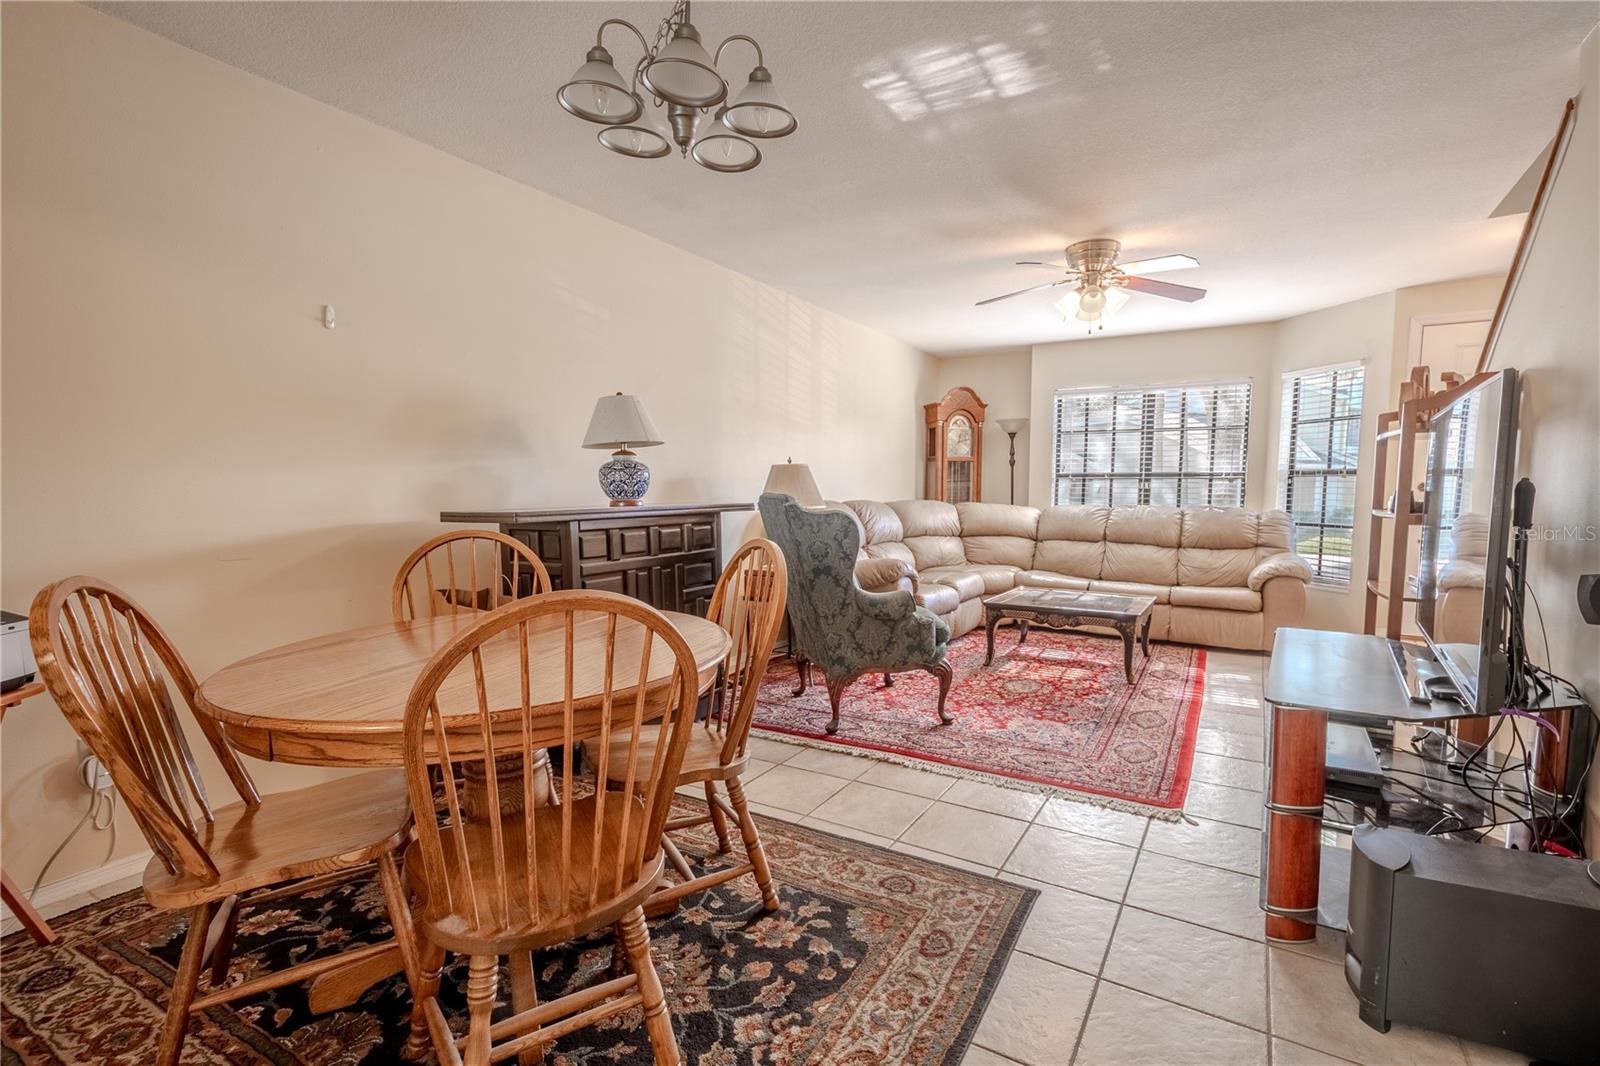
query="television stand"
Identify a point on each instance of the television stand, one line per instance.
(1315, 675)
(1317, 680)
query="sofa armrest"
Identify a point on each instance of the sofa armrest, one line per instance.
(886, 575)
(1462, 574)
(1283, 564)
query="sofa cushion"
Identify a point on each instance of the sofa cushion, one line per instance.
(1072, 540)
(879, 523)
(1162, 593)
(881, 532)
(999, 533)
(1216, 629)
(1049, 579)
(1218, 547)
(1276, 532)
(1471, 536)
(1218, 599)
(995, 578)
(932, 532)
(1142, 545)
(940, 599)
(968, 586)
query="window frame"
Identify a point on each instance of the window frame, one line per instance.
(1072, 487)
(1288, 471)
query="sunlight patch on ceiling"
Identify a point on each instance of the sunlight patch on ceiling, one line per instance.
(925, 81)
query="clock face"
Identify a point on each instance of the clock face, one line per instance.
(958, 437)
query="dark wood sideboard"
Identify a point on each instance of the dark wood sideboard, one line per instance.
(668, 555)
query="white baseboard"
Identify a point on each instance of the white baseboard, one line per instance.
(80, 884)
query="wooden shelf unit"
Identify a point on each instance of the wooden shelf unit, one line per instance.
(1404, 427)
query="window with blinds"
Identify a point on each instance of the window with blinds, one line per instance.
(1318, 454)
(1181, 445)
(1457, 445)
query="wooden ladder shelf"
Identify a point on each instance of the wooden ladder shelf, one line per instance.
(1403, 428)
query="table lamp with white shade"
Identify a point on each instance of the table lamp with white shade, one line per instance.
(794, 479)
(620, 422)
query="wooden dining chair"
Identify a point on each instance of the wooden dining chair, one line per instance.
(748, 603)
(496, 568)
(108, 665)
(509, 877)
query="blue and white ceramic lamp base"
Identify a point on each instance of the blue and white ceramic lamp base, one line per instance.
(624, 479)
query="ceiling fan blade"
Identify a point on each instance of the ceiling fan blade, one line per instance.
(1053, 266)
(1159, 264)
(1019, 292)
(1187, 293)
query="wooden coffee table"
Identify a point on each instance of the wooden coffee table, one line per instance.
(1066, 609)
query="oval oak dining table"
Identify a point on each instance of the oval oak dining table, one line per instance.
(339, 700)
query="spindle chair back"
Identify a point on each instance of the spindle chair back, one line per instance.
(111, 669)
(505, 876)
(108, 665)
(749, 603)
(497, 569)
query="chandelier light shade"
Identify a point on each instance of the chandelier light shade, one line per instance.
(597, 93)
(645, 138)
(668, 101)
(684, 73)
(724, 152)
(758, 110)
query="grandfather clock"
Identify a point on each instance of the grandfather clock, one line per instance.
(955, 447)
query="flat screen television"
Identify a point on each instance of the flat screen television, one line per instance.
(1463, 594)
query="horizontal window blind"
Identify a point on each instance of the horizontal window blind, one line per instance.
(1181, 445)
(1318, 455)
(1454, 449)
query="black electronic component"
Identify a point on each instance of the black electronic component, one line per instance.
(1522, 505)
(1589, 598)
(1480, 942)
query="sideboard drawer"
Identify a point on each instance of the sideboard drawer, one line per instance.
(667, 555)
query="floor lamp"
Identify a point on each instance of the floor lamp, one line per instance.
(1013, 426)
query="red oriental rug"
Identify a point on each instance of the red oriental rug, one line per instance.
(1055, 715)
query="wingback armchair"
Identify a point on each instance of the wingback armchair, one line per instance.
(837, 625)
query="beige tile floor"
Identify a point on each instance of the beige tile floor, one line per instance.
(1145, 945)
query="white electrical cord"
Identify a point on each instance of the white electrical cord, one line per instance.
(102, 799)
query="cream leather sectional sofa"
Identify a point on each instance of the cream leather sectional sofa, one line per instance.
(1224, 578)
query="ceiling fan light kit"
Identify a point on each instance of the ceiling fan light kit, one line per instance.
(681, 79)
(1101, 285)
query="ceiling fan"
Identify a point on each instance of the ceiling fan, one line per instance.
(1101, 284)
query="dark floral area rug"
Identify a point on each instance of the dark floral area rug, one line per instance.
(875, 958)
(1055, 714)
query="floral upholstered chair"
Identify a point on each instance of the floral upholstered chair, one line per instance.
(837, 625)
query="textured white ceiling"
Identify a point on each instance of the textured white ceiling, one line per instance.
(1306, 153)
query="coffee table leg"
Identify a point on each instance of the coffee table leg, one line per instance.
(994, 620)
(1126, 631)
(1022, 624)
(1144, 634)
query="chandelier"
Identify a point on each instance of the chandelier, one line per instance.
(669, 99)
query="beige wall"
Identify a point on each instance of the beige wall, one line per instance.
(1001, 380)
(1357, 332)
(1552, 335)
(177, 420)
(1228, 353)
(1374, 331)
